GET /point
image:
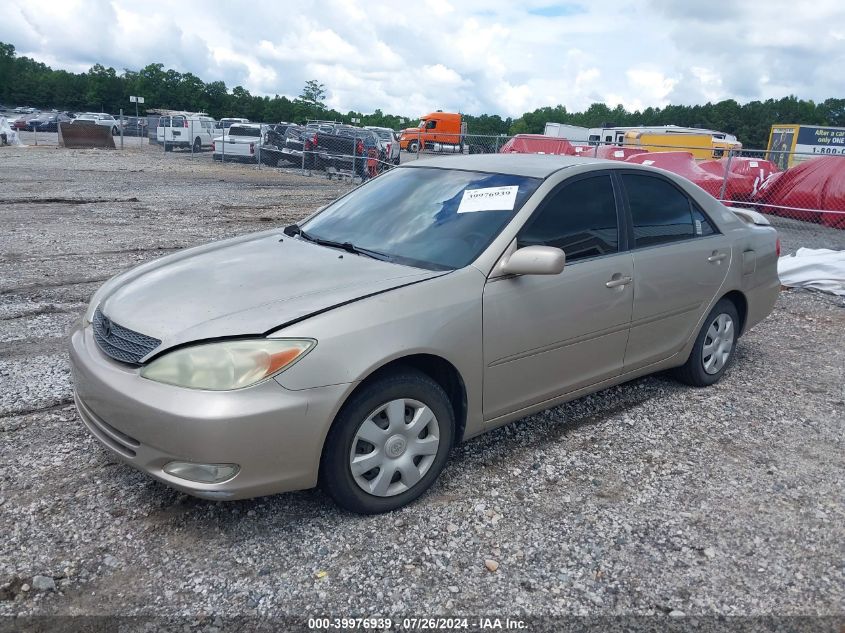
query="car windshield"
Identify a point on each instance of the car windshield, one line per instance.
(387, 136)
(439, 219)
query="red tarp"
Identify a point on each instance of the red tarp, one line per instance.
(537, 144)
(747, 174)
(818, 183)
(614, 152)
(683, 164)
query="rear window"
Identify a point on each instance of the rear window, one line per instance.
(237, 130)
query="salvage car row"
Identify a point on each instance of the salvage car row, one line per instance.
(49, 121)
(319, 145)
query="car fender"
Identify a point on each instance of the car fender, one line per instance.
(439, 317)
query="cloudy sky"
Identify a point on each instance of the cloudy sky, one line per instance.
(493, 56)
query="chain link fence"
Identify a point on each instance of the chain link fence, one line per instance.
(804, 187)
(797, 185)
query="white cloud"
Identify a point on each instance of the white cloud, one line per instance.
(492, 56)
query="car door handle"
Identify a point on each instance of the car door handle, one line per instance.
(617, 281)
(716, 257)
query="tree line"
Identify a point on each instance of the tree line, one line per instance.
(24, 81)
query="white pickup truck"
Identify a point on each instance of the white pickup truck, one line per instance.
(239, 142)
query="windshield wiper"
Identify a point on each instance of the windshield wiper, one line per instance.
(349, 247)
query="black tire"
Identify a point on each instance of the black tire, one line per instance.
(197, 145)
(168, 148)
(693, 372)
(335, 473)
(114, 131)
(413, 147)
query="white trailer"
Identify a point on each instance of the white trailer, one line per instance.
(569, 132)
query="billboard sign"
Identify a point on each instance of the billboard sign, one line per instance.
(821, 140)
(792, 144)
(781, 142)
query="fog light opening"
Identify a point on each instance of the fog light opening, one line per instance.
(202, 473)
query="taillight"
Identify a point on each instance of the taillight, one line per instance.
(252, 148)
(213, 146)
(186, 123)
(359, 147)
(314, 140)
(777, 247)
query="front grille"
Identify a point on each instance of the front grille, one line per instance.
(121, 343)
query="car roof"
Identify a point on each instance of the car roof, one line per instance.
(530, 165)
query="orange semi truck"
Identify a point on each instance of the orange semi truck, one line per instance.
(437, 132)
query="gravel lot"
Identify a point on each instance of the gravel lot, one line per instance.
(648, 498)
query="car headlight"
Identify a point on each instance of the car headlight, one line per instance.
(227, 365)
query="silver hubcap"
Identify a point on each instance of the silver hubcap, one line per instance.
(394, 447)
(718, 344)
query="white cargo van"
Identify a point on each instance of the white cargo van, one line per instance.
(185, 130)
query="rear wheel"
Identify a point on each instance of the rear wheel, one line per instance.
(714, 347)
(197, 145)
(388, 443)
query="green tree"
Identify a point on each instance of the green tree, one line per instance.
(313, 94)
(24, 81)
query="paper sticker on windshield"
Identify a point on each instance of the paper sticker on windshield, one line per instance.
(648, 162)
(488, 199)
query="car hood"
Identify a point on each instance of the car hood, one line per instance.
(246, 286)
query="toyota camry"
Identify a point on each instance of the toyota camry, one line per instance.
(441, 300)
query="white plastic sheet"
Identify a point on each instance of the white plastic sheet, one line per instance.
(11, 135)
(817, 268)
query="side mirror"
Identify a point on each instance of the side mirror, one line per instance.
(535, 260)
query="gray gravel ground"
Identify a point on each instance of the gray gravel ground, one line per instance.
(648, 498)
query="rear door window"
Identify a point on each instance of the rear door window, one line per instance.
(660, 212)
(701, 223)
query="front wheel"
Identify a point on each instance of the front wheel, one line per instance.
(413, 147)
(714, 347)
(115, 131)
(388, 444)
